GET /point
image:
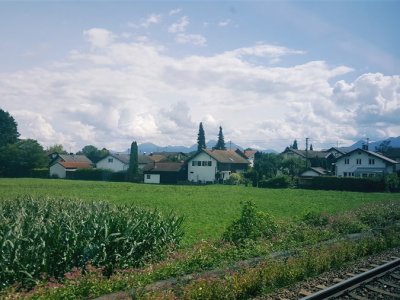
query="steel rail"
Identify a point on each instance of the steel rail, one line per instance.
(345, 285)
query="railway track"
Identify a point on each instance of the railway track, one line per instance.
(377, 282)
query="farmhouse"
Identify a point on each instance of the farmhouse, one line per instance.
(165, 172)
(63, 165)
(120, 162)
(364, 163)
(215, 165)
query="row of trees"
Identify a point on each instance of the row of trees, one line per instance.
(201, 139)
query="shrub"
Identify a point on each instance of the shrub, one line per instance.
(392, 183)
(316, 218)
(52, 236)
(234, 179)
(251, 225)
(348, 184)
(278, 182)
(92, 174)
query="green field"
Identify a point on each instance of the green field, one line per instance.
(207, 209)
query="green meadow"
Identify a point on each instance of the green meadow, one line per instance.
(207, 209)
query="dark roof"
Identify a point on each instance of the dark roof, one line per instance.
(163, 167)
(309, 153)
(393, 153)
(74, 158)
(226, 156)
(125, 158)
(75, 165)
(387, 159)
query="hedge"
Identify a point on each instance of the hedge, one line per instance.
(348, 184)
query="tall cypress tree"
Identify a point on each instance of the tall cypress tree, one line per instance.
(221, 142)
(133, 169)
(295, 145)
(201, 138)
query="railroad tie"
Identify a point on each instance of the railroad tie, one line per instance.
(383, 292)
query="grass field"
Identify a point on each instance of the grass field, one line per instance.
(207, 209)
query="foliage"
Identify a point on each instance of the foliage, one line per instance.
(294, 146)
(235, 179)
(278, 182)
(392, 182)
(251, 225)
(40, 173)
(19, 159)
(133, 169)
(348, 184)
(293, 166)
(56, 148)
(314, 218)
(48, 237)
(201, 138)
(92, 174)
(8, 129)
(221, 142)
(93, 153)
(267, 165)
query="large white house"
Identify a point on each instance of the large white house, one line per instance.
(364, 163)
(213, 165)
(120, 162)
(63, 165)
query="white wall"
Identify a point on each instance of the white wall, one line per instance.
(58, 170)
(202, 173)
(151, 178)
(114, 165)
(310, 173)
(352, 166)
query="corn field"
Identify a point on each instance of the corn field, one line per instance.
(48, 237)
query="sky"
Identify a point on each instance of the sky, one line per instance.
(105, 73)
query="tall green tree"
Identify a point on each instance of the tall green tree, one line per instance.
(133, 169)
(56, 148)
(201, 138)
(8, 129)
(93, 153)
(19, 159)
(293, 166)
(294, 146)
(221, 142)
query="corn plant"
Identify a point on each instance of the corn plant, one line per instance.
(48, 237)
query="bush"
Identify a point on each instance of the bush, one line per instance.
(234, 179)
(348, 184)
(392, 183)
(316, 218)
(278, 182)
(251, 225)
(49, 237)
(40, 173)
(118, 176)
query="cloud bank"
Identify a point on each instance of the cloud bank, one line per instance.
(117, 90)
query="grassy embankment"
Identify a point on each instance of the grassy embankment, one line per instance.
(208, 210)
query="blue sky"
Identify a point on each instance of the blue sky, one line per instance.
(107, 73)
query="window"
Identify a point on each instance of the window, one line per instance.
(204, 163)
(148, 176)
(193, 163)
(210, 163)
(345, 174)
(199, 163)
(110, 160)
(358, 161)
(371, 161)
(346, 161)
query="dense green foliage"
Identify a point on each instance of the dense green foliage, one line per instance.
(208, 210)
(8, 129)
(92, 174)
(201, 138)
(221, 142)
(348, 184)
(93, 153)
(133, 169)
(251, 225)
(19, 159)
(48, 237)
(246, 264)
(277, 182)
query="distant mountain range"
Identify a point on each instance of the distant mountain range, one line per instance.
(394, 142)
(150, 147)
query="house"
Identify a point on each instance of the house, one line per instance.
(168, 156)
(324, 158)
(315, 172)
(215, 165)
(394, 154)
(250, 156)
(165, 172)
(63, 165)
(120, 162)
(364, 163)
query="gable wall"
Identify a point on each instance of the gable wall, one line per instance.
(202, 173)
(116, 165)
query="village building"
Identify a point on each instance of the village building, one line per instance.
(118, 162)
(165, 172)
(64, 165)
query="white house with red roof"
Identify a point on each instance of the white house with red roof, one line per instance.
(63, 164)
